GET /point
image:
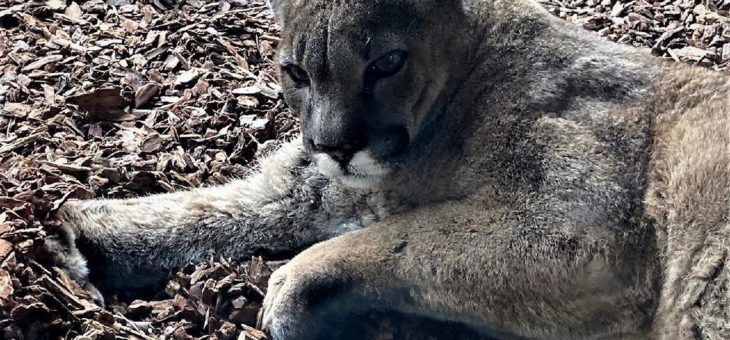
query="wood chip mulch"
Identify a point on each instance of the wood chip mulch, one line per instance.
(120, 98)
(691, 31)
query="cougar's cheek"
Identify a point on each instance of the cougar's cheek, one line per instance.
(393, 142)
(400, 139)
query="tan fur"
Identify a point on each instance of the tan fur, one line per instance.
(690, 198)
(553, 185)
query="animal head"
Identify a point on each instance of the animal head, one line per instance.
(366, 76)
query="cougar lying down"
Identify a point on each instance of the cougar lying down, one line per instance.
(474, 161)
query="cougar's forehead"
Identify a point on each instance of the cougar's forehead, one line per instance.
(325, 35)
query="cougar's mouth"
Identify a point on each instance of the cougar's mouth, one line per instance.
(362, 171)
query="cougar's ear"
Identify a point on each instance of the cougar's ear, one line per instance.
(281, 10)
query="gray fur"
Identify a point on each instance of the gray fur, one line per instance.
(554, 185)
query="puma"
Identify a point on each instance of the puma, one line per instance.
(475, 161)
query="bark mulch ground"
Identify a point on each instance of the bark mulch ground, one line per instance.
(692, 31)
(121, 98)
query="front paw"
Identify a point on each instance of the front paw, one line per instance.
(285, 306)
(60, 246)
(61, 243)
(311, 300)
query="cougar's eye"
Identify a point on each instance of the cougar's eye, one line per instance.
(297, 74)
(388, 64)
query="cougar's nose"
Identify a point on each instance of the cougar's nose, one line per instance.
(335, 131)
(340, 151)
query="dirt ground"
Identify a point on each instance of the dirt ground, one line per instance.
(120, 98)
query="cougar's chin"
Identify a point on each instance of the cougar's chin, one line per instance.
(362, 172)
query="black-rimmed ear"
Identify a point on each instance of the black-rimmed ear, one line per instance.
(281, 10)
